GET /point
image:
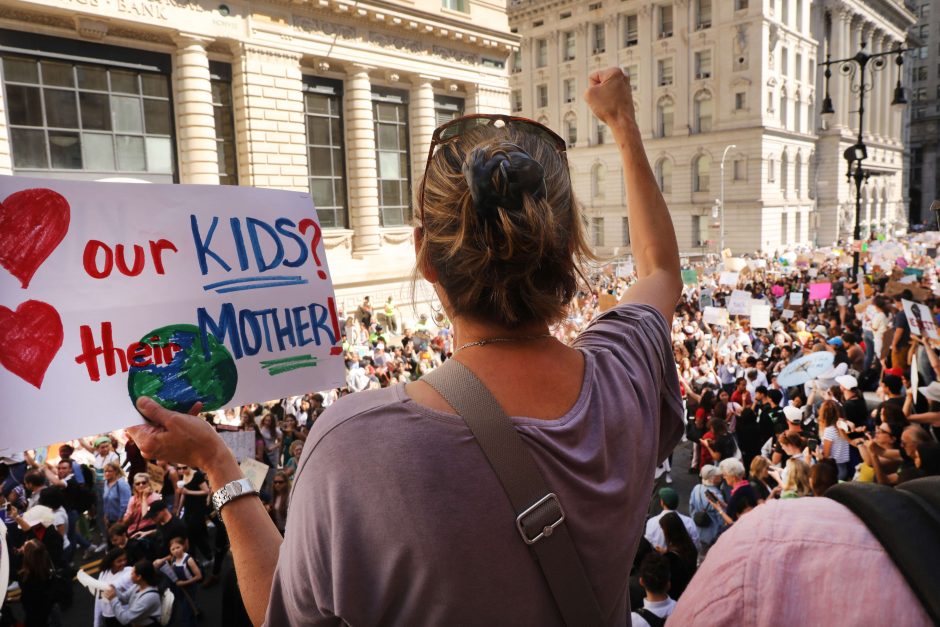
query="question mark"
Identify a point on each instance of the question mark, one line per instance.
(317, 234)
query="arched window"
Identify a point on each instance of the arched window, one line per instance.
(701, 169)
(571, 130)
(798, 175)
(665, 113)
(784, 173)
(703, 108)
(664, 175)
(598, 174)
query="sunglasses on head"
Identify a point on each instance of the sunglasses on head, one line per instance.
(454, 129)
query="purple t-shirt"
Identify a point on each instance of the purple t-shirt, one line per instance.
(397, 518)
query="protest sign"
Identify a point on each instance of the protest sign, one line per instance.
(255, 472)
(812, 273)
(786, 314)
(893, 288)
(740, 303)
(689, 277)
(606, 301)
(715, 315)
(920, 320)
(735, 264)
(728, 278)
(796, 299)
(185, 293)
(705, 298)
(820, 291)
(760, 316)
(242, 443)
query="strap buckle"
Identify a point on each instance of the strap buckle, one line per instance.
(539, 515)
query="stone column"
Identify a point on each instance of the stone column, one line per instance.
(471, 104)
(421, 114)
(360, 160)
(194, 113)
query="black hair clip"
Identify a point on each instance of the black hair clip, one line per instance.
(503, 179)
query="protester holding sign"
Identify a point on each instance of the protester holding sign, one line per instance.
(496, 197)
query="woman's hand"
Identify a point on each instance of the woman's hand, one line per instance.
(110, 593)
(177, 437)
(610, 97)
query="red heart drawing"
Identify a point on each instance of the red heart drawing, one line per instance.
(32, 223)
(31, 336)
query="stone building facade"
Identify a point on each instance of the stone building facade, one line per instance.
(337, 97)
(713, 79)
(925, 112)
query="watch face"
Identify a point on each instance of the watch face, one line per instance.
(236, 489)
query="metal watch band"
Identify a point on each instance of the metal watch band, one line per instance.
(231, 491)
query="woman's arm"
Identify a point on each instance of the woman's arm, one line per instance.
(655, 250)
(927, 418)
(254, 538)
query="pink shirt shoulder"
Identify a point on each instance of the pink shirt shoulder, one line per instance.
(806, 561)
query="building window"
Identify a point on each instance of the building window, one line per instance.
(625, 231)
(784, 114)
(798, 226)
(516, 61)
(739, 170)
(516, 100)
(703, 64)
(740, 5)
(798, 176)
(541, 52)
(598, 175)
(221, 76)
(541, 95)
(446, 109)
(784, 173)
(665, 114)
(571, 130)
(597, 231)
(771, 170)
(740, 101)
(798, 67)
(697, 240)
(798, 117)
(785, 12)
(323, 105)
(799, 14)
(455, 5)
(599, 39)
(633, 74)
(630, 30)
(783, 228)
(665, 20)
(664, 175)
(703, 106)
(600, 135)
(569, 41)
(784, 61)
(568, 86)
(703, 14)
(72, 117)
(701, 171)
(390, 109)
(664, 71)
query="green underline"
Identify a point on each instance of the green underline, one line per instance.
(289, 367)
(283, 360)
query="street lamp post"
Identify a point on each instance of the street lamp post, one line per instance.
(857, 153)
(721, 225)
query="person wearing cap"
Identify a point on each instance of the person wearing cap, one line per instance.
(836, 346)
(853, 404)
(821, 331)
(669, 501)
(705, 516)
(794, 425)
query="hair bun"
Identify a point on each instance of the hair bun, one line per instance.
(503, 179)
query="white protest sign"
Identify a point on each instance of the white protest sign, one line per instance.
(740, 303)
(185, 293)
(760, 316)
(796, 298)
(728, 278)
(715, 315)
(242, 443)
(255, 472)
(735, 264)
(920, 320)
(786, 314)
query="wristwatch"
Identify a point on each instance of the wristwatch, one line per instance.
(231, 491)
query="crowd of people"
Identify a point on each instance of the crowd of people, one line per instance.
(874, 416)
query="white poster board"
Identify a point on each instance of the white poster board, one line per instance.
(920, 319)
(242, 443)
(715, 315)
(760, 316)
(740, 303)
(728, 278)
(796, 299)
(735, 264)
(185, 293)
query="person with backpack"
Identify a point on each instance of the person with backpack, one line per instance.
(187, 575)
(657, 605)
(140, 605)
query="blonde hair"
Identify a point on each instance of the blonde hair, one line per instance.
(797, 477)
(117, 469)
(518, 266)
(759, 467)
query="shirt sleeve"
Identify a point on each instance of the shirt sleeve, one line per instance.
(637, 335)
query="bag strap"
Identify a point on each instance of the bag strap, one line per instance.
(906, 520)
(539, 515)
(649, 617)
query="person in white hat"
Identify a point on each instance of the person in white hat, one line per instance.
(774, 446)
(821, 330)
(853, 404)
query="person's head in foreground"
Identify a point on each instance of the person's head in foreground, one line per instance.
(499, 230)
